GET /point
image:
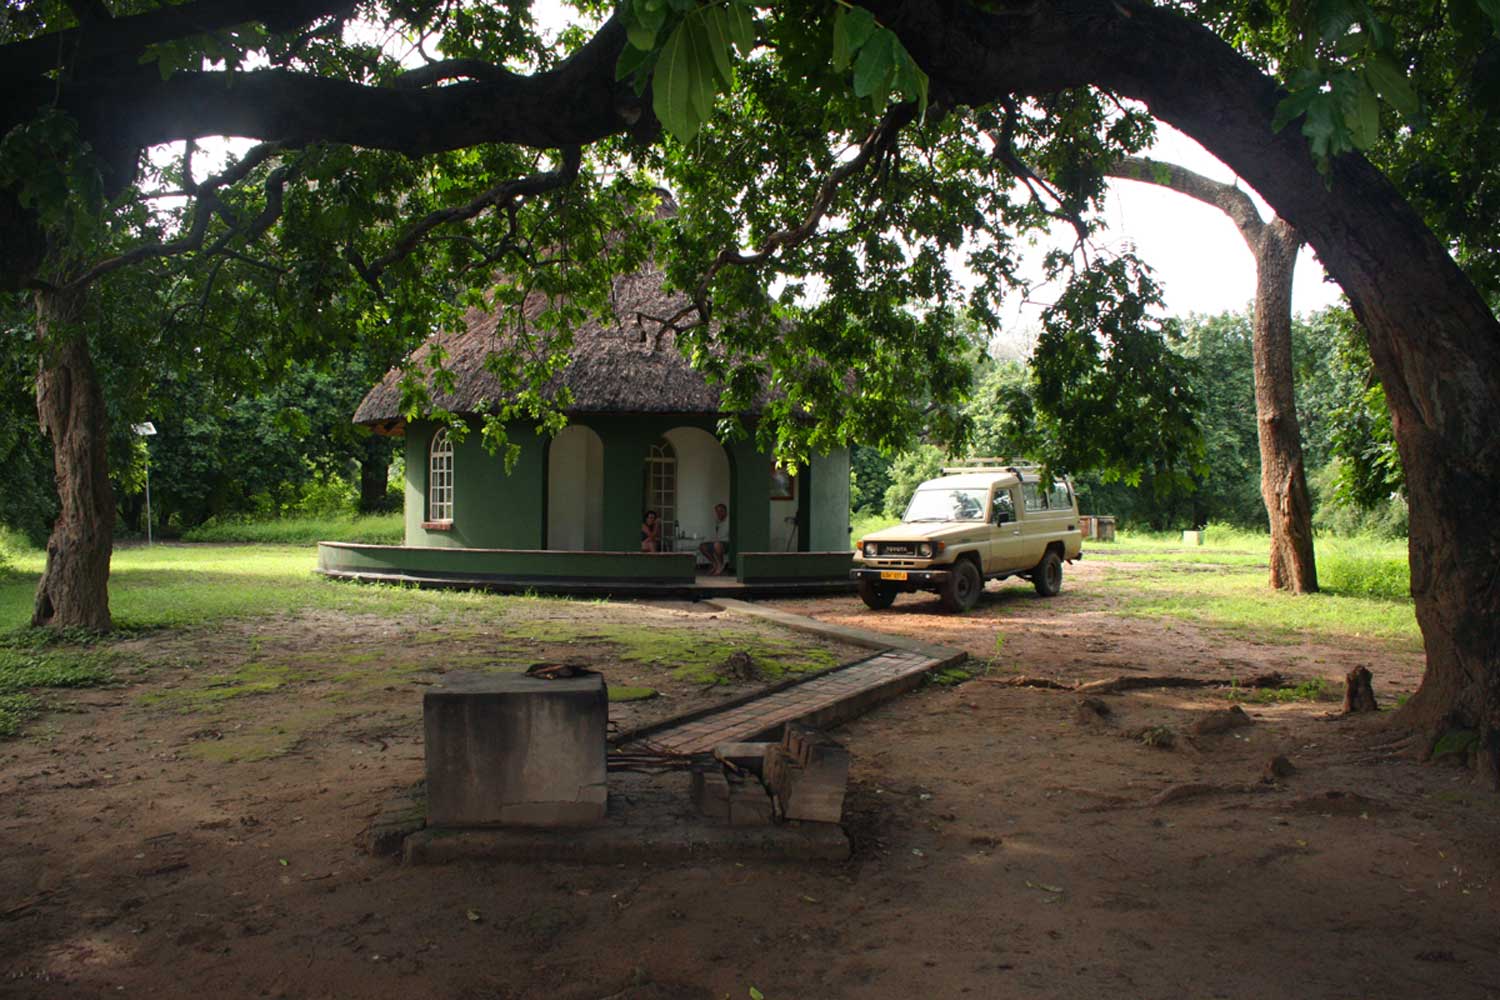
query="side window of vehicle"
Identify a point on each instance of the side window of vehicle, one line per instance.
(1003, 509)
(1058, 498)
(1033, 494)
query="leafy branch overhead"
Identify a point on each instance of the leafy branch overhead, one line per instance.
(686, 53)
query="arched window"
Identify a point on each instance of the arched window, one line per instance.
(661, 483)
(440, 478)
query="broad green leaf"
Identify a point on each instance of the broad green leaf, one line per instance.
(852, 27)
(1492, 8)
(704, 75)
(1335, 17)
(631, 59)
(640, 36)
(716, 31)
(1291, 106)
(1365, 123)
(741, 27)
(672, 85)
(873, 66)
(1387, 80)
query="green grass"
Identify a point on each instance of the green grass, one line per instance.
(376, 529)
(1364, 567)
(691, 655)
(1317, 689)
(27, 668)
(1350, 567)
(1237, 600)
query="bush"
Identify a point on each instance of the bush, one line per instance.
(375, 529)
(908, 471)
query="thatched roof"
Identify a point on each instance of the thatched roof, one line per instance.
(625, 366)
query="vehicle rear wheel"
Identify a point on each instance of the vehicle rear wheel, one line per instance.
(960, 591)
(876, 596)
(1047, 577)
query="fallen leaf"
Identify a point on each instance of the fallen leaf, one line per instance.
(473, 916)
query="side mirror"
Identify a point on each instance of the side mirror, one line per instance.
(1002, 516)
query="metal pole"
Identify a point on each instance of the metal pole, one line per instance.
(148, 494)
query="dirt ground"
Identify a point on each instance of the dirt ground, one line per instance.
(1007, 841)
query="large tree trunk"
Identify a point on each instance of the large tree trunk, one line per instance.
(1283, 480)
(374, 474)
(74, 589)
(1434, 341)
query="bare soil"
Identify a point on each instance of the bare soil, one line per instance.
(1008, 842)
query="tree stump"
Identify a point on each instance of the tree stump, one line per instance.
(1359, 696)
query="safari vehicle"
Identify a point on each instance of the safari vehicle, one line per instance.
(976, 523)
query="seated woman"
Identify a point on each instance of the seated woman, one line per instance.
(651, 533)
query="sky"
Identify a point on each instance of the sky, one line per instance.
(1197, 253)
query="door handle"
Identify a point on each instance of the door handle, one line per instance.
(1016, 532)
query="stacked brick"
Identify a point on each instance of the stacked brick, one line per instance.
(807, 775)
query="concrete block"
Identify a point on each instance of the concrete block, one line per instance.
(512, 749)
(745, 756)
(710, 793)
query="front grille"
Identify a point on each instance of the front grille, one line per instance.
(897, 548)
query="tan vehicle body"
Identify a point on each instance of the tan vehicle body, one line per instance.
(969, 527)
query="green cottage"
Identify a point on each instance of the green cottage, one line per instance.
(567, 518)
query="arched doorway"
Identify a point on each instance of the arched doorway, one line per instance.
(702, 480)
(575, 490)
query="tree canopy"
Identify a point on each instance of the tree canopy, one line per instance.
(834, 164)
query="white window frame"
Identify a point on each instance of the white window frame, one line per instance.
(440, 478)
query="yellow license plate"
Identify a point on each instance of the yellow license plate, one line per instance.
(892, 574)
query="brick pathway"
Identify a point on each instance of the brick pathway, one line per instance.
(823, 701)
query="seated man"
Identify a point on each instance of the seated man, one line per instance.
(716, 548)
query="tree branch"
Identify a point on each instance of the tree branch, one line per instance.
(206, 206)
(452, 69)
(123, 38)
(577, 102)
(503, 195)
(1227, 198)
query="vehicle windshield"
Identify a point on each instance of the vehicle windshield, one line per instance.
(946, 505)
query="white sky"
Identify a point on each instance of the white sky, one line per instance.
(1198, 255)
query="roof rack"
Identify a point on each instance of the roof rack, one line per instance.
(990, 465)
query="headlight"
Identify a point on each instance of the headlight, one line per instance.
(924, 550)
(870, 550)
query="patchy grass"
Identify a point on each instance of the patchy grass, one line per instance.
(26, 673)
(693, 656)
(174, 586)
(1317, 689)
(1238, 600)
(375, 529)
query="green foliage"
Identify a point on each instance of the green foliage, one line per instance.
(1108, 393)
(379, 529)
(908, 471)
(869, 478)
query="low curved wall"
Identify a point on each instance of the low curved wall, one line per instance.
(352, 559)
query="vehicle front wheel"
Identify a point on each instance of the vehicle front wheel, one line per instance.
(960, 591)
(1047, 577)
(876, 596)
